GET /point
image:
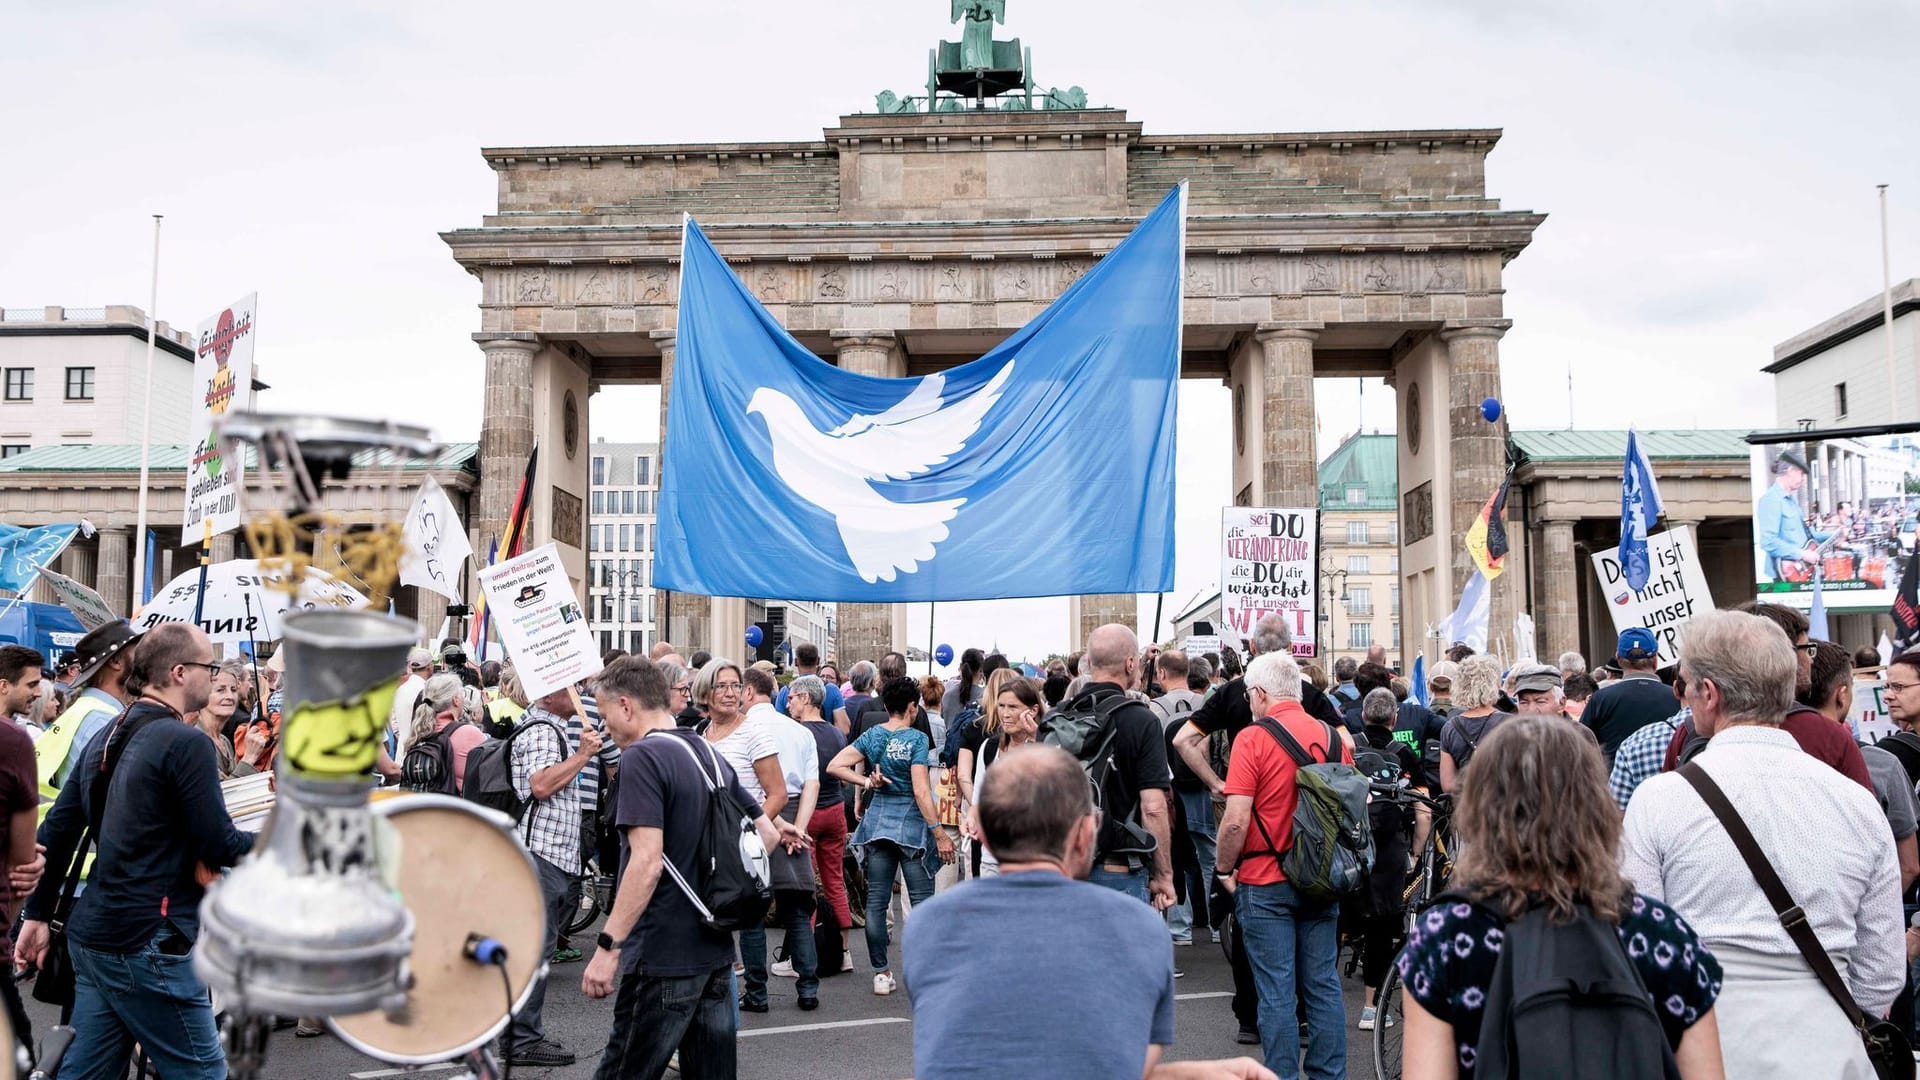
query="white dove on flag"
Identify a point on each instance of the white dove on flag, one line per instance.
(834, 470)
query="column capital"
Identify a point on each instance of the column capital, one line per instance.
(1485, 328)
(854, 338)
(511, 340)
(1287, 331)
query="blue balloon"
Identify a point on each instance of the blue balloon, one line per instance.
(1490, 409)
(754, 636)
(943, 655)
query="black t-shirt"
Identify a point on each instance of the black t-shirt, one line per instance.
(1419, 729)
(661, 787)
(1905, 746)
(828, 740)
(1624, 706)
(1140, 754)
(1227, 709)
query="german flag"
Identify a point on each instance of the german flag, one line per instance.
(1487, 536)
(515, 536)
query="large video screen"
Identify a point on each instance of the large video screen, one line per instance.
(1840, 509)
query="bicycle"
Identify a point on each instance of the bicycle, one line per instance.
(596, 897)
(1427, 880)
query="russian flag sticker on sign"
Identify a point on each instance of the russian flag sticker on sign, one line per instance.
(1623, 598)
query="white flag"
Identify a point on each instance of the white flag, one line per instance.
(1468, 623)
(437, 544)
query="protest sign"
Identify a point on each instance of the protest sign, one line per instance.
(222, 383)
(540, 621)
(88, 606)
(1869, 718)
(1675, 593)
(1266, 568)
(1200, 644)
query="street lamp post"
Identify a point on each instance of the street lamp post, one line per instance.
(628, 586)
(1326, 612)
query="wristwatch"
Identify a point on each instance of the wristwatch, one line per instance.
(605, 941)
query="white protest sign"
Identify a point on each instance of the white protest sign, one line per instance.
(222, 382)
(1267, 567)
(1869, 719)
(1200, 644)
(1676, 591)
(88, 606)
(532, 604)
(437, 546)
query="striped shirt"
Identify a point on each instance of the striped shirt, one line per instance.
(588, 781)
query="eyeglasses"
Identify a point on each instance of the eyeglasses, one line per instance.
(207, 665)
(684, 688)
(1810, 648)
(1900, 687)
(726, 687)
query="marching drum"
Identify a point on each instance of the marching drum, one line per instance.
(462, 873)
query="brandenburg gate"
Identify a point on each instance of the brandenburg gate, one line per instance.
(908, 240)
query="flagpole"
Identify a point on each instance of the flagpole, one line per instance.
(1886, 305)
(146, 422)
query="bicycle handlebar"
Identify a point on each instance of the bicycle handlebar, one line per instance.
(1396, 792)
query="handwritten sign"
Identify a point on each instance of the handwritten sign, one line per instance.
(1869, 718)
(1267, 563)
(222, 383)
(541, 621)
(1675, 593)
(88, 606)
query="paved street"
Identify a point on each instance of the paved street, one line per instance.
(853, 1036)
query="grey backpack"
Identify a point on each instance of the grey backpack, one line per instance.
(1332, 849)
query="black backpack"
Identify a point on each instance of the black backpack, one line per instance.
(1566, 1002)
(1084, 728)
(428, 764)
(957, 729)
(731, 884)
(489, 776)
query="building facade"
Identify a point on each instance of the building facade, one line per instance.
(1359, 550)
(1836, 374)
(620, 545)
(78, 376)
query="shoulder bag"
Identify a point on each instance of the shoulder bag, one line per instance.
(1886, 1044)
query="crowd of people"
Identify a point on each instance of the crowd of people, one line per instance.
(1089, 822)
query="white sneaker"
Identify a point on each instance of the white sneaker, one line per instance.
(1367, 1014)
(783, 969)
(846, 962)
(883, 983)
(1216, 937)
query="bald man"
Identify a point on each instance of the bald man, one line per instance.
(1134, 853)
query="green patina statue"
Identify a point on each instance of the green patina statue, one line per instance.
(966, 73)
(976, 39)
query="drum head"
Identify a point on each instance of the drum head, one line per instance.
(461, 872)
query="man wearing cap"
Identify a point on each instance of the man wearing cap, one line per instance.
(419, 668)
(1780, 522)
(102, 681)
(1634, 700)
(1538, 690)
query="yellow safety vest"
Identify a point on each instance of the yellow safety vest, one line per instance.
(504, 711)
(55, 745)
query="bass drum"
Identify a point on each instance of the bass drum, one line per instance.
(462, 872)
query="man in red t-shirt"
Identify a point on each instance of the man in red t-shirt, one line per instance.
(1287, 937)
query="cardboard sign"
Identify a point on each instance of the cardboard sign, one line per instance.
(540, 621)
(1869, 719)
(222, 383)
(87, 606)
(1201, 644)
(1675, 593)
(1267, 567)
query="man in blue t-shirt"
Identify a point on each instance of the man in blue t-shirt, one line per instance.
(1095, 947)
(806, 661)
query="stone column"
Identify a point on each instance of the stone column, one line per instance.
(506, 428)
(1288, 471)
(676, 616)
(223, 548)
(1559, 623)
(1479, 452)
(430, 608)
(114, 568)
(866, 630)
(1087, 613)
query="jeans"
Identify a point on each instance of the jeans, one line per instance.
(885, 860)
(1132, 882)
(796, 917)
(653, 1017)
(528, 1025)
(150, 996)
(1287, 938)
(828, 827)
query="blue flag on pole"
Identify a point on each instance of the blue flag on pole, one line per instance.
(1639, 508)
(1419, 680)
(25, 552)
(153, 552)
(1817, 614)
(1044, 468)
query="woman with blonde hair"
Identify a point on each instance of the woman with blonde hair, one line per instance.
(1475, 691)
(1541, 840)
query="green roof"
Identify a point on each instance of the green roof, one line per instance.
(1368, 461)
(173, 458)
(1612, 445)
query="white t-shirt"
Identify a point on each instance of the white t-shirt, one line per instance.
(404, 700)
(799, 753)
(750, 742)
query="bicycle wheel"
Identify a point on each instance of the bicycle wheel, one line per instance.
(582, 916)
(1387, 1028)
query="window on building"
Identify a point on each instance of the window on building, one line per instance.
(1359, 601)
(599, 502)
(1356, 494)
(1839, 401)
(1356, 532)
(8, 450)
(633, 610)
(643, 471)
(606, 609)
(646, 537)
(626, 538)
(626, 501)
(1393, 531)
(1396, 635)
(606, 641)
(599, 470)
(19, 384)
(1357, 564)
(79, 384)
(649, 607)
(1396, 600)
(1359, 635)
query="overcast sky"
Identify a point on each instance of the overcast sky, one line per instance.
(1708, 169)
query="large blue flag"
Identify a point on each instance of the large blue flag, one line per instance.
(1639, 508)
(25, 552)
(1044, 468)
